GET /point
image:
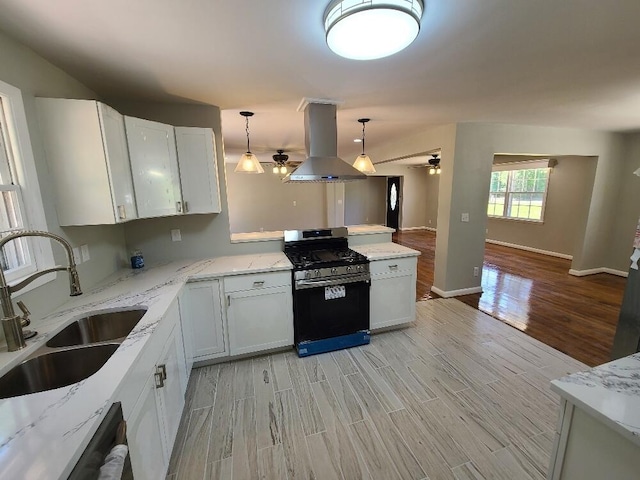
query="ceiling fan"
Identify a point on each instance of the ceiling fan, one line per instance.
(434, 164)
(281, 162)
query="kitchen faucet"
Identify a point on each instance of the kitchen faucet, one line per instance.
(11, 323)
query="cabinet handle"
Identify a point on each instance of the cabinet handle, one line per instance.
(228, 300)
(393, 267)
(186, 207)
(159, 379)
(163, 370)
(258, 284)
(179, 207)
(122, 213)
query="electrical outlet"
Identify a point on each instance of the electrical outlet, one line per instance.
(295, 203)
(476, 271)
(77, 257)
(429, 222)
(464, 217)
(176, 236)
(84, 250)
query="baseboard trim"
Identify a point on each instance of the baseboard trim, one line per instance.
(407, 229)
(456, 293)
(593, 271)
(530, 249)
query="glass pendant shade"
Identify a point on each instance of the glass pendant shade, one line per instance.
(283, 170)
(364, 164)
(370, 29)
(276, 169)
(438, 171)
(249, 164)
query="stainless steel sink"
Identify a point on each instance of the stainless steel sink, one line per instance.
(100, 327)
(55, 369)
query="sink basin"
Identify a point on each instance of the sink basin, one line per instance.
(100, 327)
(55, 369)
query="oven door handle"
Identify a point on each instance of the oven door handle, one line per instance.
(302, 284)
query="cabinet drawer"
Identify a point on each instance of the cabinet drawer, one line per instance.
(238, 283)
(392, 265)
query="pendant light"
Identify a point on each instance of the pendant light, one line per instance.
(363, 162)
(248, 162)
(370, 29)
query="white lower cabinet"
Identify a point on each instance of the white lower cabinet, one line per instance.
(153, 422)
(393, 291)
(201, 305)
(259, 318)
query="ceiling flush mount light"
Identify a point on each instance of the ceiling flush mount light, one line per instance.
(248, 162)
(280, 159)
(363, 162)
(370, 29)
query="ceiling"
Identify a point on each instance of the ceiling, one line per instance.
(546, 62)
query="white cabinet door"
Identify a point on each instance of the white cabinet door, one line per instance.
(88, 161)
(169, 391)
(118, 165)
(187, 329)
(393, 298)
(154, 167)
(144, 435)
(205, 315)
(198, 169)
(259, 319)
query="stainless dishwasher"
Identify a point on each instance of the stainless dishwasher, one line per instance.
(88, 467)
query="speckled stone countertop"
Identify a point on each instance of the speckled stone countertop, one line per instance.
(42, 435)
(609, 392)
(279, 234)
(383, 251)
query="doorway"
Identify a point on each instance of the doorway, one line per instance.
(394, 198)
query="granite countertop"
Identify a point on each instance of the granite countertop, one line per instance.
(609, 392)
(42, 435)
(368, 229)
(383, 251)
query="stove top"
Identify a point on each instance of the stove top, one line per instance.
(303, 259)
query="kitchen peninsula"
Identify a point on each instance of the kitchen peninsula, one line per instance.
(598, 430)
(42, 435)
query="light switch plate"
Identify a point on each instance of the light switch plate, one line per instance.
(176, 236)
(77, 257)
(84, 250)
(464, 217)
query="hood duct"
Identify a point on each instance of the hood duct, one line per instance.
(321, 141)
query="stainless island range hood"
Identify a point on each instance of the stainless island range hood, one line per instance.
(321, 141)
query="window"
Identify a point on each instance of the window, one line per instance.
(20, 201)
(519, 191)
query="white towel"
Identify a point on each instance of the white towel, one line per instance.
(114, 463)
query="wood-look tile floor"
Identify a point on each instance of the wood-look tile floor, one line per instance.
(458, 395)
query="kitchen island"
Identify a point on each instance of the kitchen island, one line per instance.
(598, 430)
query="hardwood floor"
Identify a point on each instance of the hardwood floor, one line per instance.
(458, 395)
(535, 294)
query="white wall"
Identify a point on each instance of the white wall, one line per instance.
(365, 201)
(35, 77)
(263, 202)
(566, 208)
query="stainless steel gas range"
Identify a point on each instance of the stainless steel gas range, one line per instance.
(331, 285)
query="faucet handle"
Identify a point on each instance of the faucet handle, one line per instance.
(26, 313)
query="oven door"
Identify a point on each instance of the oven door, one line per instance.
(319, 313)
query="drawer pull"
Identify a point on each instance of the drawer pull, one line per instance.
(159, 379)
(179, 207)
(122, 213)
(258, 284)
(162, 369)
(186, 207)
(393, 267)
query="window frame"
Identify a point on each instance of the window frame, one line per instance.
(30, 200)
(517, 166)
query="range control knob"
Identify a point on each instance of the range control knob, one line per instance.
(359, 268)
(307, 275)
(316, 273)
(349, 268)
(334, 270)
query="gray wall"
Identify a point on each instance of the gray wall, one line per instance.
(35, 77)
(263, 202)
(365, 201)
(627, 208)
(567, 205)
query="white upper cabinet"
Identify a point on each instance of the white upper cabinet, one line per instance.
(154, 166)
(88, 159)
(198, 169)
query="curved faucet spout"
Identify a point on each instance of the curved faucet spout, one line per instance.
(6, 290)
